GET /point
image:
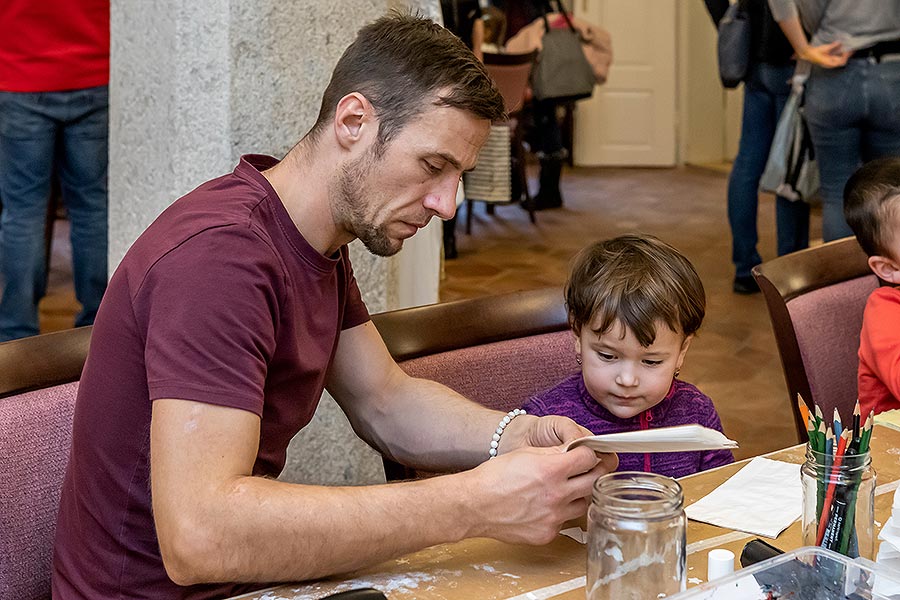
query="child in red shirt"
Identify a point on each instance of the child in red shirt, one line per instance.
(872, 209)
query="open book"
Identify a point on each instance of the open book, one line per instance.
(681, 438)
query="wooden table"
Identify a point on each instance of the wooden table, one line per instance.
(491, 570)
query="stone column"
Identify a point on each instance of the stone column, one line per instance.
(193, 86)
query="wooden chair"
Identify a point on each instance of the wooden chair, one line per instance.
(816, 299)
(495, 350)
(38, 384)
(511, 73)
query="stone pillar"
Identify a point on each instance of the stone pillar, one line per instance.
(193, 86)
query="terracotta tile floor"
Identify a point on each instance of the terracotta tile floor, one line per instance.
(733, 359)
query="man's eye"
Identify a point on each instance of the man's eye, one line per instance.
(434, 170)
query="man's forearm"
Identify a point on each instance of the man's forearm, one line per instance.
(264, 530)
(441, 429)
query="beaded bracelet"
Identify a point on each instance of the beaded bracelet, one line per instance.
(495, 439)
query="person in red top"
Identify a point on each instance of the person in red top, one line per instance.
(234, 310)
(872, 209)
(54, 71)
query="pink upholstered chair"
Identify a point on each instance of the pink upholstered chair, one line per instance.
(816, 299)
(38, 383)
(495, 350)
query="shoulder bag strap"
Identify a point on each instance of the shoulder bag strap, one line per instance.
(562, 10)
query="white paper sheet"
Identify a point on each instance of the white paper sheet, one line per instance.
(889, 550)
(681, 438)
(763, 498)
(576, 533)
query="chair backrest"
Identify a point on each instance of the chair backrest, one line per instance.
(43, 361)
(495, 350)
(511, 73)
(38, 384)
(816, 299)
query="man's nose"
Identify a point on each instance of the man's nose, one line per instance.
(442, 200)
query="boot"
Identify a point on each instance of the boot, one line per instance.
(548, 195)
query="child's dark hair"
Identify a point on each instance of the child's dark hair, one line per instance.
(638, 280)
(871, 200)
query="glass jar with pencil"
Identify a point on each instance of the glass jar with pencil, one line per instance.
(838, 484)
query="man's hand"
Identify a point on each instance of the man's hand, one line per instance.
(830, 56)
(539, 432)
(527, 495)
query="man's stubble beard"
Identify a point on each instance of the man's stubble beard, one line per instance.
(349, 203)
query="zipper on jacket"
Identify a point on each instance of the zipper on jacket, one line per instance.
(646, 417)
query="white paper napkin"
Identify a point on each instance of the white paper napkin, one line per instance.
(763, 498)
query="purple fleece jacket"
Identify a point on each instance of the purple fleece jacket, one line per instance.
(683, 405)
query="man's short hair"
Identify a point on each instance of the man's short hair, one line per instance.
(399, 63)
(639, 281)
(871, 204)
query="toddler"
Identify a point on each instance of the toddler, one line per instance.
(634, 304)
(872, 209)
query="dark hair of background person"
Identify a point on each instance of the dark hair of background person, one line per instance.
(872, 205)
(638, 280)
(400, 61)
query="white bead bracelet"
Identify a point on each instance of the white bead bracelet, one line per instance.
(495, 439)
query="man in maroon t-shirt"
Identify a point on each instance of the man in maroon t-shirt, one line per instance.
(238, 306)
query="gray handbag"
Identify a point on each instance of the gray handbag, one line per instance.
(733, 47)
(791, 170)
(562, 73)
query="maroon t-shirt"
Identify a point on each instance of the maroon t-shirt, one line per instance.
(222, 301)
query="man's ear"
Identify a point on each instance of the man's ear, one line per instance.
(354, 120)
(886, 268)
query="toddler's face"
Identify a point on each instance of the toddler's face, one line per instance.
(623, 376)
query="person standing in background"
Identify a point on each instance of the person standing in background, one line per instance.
(54, 75)
(545, 137)
(463, 18)
(766, 90)
(852, 102)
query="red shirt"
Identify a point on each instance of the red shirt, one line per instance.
(879, 352)
(221, 300)
(53, 45)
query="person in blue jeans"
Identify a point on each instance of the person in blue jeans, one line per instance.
(766, 90)
(852, 101)
(54, 75)
(853, 115)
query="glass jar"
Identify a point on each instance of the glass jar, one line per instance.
(637, 546)
(845, 496)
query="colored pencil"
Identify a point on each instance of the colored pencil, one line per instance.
(820, 431)
(829, 494)
(804, 411)
(825, 450)
(849, 518)
(838, 426)
(867, 432)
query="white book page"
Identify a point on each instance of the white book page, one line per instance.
(681, 438)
